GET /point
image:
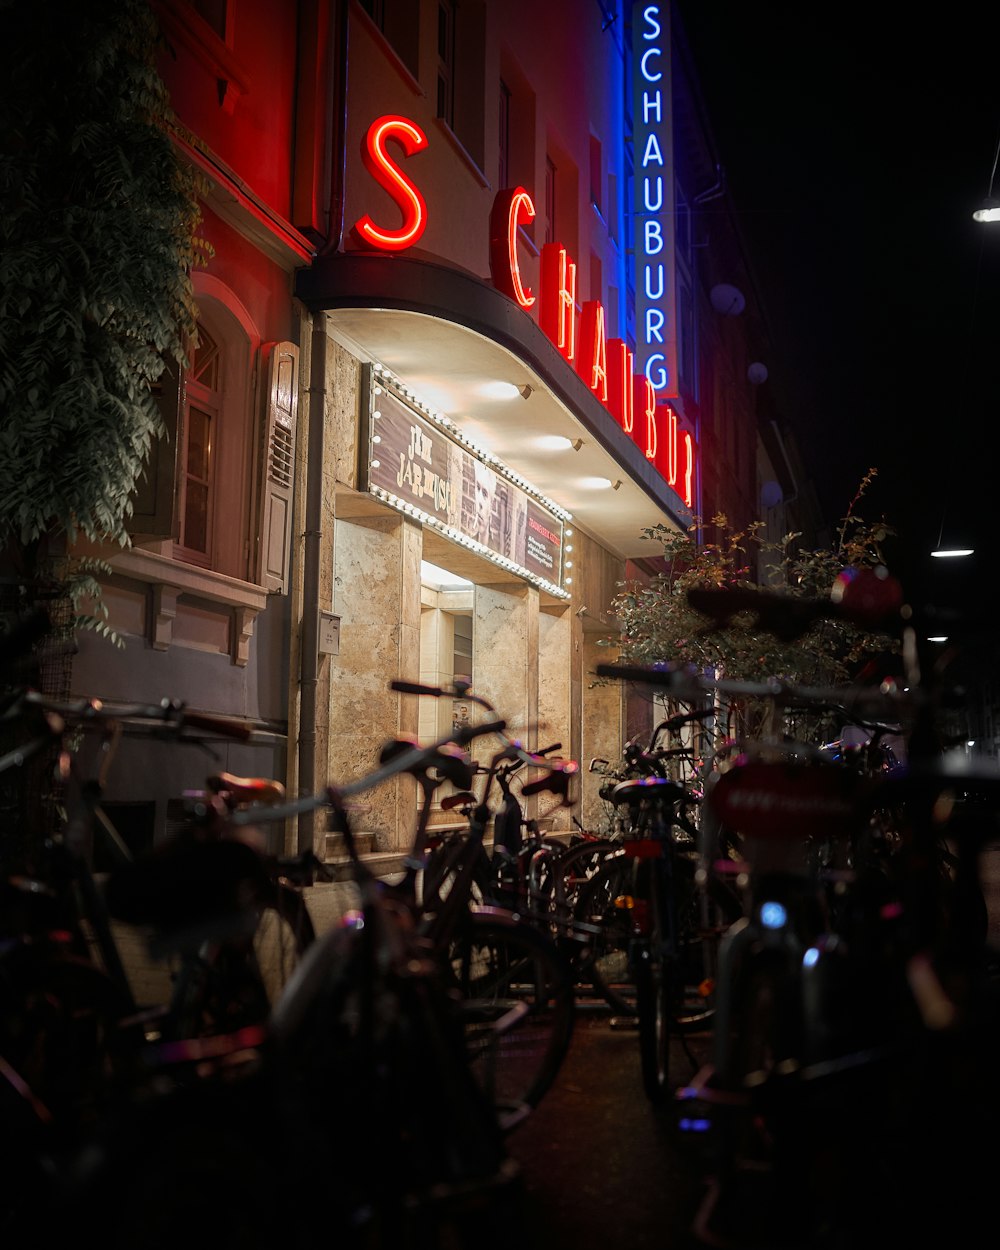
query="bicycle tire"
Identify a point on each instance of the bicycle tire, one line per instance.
(656, 974)
(609, 970)
(698, 961)
(197, 1164)
(369, 1004)
(499, 966)
(526, 884)
(438, 874)
(576, 866)
(285, 931)
(670, 967)
(64, 1033)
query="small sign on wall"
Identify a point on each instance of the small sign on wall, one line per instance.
(329, 634)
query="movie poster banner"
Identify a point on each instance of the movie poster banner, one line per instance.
(414, 461)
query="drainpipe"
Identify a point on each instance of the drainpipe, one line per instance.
(316, 454)
(312, 541)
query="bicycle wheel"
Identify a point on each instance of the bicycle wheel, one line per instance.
(284, 932)
(531, 876)
(598, 905)
(196, 1164)
(576, 865)
(440, 869)
(515, 999)
(702, 914)
(65, 1044)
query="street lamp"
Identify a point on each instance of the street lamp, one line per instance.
(952, 553)
(951, 550)
(990, 210)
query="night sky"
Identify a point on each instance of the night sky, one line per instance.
(856, 148)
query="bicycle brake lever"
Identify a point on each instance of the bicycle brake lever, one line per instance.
(556, 780)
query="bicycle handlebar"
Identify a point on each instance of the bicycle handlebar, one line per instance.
(866, 597)
(673, 723)
(407, 760)
(414, 687)
(556, 780)
(853, 701)
(457, 690)
(514, 752)
(168, 714)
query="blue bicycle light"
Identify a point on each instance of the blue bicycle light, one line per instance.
(773, 915)
(811, 957)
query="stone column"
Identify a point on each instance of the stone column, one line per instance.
(505, 656)
(378, 592)
(555, 693)
(602, 729)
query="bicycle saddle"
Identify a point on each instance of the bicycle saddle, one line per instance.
(642, 789)
(246, 789)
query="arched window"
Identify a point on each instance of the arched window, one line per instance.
(217, 490)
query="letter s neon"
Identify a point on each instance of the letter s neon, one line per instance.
(388, 175)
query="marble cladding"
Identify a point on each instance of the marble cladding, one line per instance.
(377, 576)
(601, 732)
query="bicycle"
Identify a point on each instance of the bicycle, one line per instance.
(225, 915)
(537, 878)
(846, 990)
(500, 959)
(72, 1033)
(507, 874)
(357, 1091)
(654, 886)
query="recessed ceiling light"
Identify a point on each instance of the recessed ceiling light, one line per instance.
(499, 390)
(438, 577)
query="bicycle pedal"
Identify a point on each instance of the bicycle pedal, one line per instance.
(624, 1022)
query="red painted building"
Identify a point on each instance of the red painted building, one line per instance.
(467, 329)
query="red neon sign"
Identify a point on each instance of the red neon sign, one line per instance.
(675, 458)
(594, 349)
(620, 397)
(606, 365)
(644, 398)
(389, 176)
(556, 313)
(687, 478)
(510, 209)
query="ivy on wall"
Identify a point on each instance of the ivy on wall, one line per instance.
(98, 221)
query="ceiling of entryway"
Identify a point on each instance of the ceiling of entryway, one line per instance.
(450, 368)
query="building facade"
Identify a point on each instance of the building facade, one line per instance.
(477, 313)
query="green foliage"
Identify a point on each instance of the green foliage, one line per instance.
(658, 625)
(78, 578)
(97, 242)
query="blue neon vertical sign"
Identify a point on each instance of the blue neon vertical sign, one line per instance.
(653, 152)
